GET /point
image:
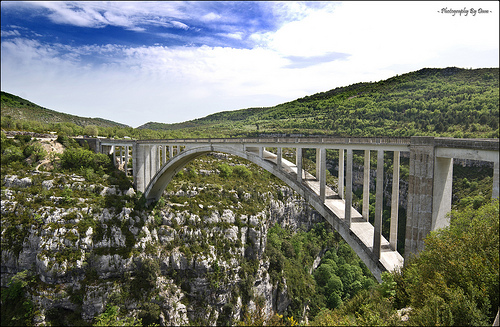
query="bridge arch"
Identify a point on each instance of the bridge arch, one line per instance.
(165, 174)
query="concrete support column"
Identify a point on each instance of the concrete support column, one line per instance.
(495, 190)
(317, 163)
(420, 184)
(393, 237)
(261, 152)
(170, 151)
(442, 190)
(127, 149)
(279, 157)
(298, 163)
(154, 160)
(348, 191)
(341, 173)
(122, 154)
(113, 150)
(366, 186)
(164, 155)
(139, 162)
(322, 174)
(147, 165)
(379, 196)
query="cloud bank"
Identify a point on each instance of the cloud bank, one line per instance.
(170, 62)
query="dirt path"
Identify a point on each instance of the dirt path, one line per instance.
(52, 147)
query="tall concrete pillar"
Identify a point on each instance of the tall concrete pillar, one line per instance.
(147, 165)
(379, 197)
(495, 190)
(348, 186)
(171, 151)
(442, 191)
(154, 160)
(139, 163)
(393, 236)
(164, 154)
(279, 157)
(420, 191)
(341, 173)
(317, 163)
(114, 155)
(261, 151)
(122, 154)
(366, 186)
(322, 174)
(127, 149)
(298, 163)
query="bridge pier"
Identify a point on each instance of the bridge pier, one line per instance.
(321, 172)
(393, 236)
(298, 163)
(348, 191)
(341, 173)
(366, 186)
(379, 192)
(279, 156)
(495, 191)
(429, 193)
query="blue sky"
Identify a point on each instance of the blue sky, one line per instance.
(135, 62)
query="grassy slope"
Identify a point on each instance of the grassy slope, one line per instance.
(21, 109)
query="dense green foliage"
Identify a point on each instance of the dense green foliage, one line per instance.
(340, 275)
(17, 308)
(453, 281)
(20, 151)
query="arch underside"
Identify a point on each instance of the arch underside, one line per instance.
(359, 236)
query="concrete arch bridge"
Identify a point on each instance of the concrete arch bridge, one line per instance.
(155, 163)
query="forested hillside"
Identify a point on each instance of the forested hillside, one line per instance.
(440, 102)
(450, 102)
(15, 108)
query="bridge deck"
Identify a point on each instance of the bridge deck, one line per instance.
(362, 229)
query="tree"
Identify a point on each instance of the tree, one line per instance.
(455, 279)
(91, 130)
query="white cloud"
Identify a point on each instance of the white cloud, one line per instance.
(136, 84)
(210, 17)
(179, 25)
(10, 33)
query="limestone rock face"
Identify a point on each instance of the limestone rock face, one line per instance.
(88, 257)
(13, 181)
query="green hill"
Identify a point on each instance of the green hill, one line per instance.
(441, 102)
(18, 108)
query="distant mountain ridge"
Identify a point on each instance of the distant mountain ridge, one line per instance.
(22, 109)
(452, 102)
(432, 101)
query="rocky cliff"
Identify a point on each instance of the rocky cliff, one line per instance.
(168, 262)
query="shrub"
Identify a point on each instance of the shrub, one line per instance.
(242, 172)
(81, 158)
(225, 170)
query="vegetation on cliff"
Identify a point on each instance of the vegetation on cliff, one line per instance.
(453, 281)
